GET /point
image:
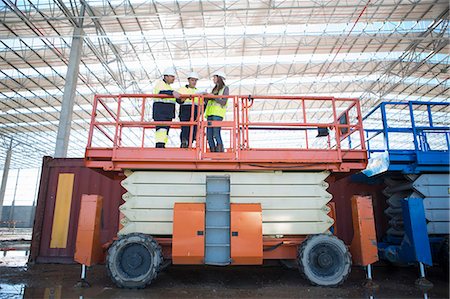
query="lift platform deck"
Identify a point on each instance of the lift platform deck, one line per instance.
(323, 133)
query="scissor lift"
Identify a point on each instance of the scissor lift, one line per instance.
(263, 198)
(408, 146)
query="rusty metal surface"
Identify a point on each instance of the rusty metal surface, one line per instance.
(342, 190)
(87, 181)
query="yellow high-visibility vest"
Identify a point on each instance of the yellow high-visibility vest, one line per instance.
(214, 108)
(161, 85)
(188, 90)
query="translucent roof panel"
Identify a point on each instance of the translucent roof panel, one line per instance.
(386, 50)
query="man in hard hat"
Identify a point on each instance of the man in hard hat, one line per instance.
(186, 109)
(164, 109)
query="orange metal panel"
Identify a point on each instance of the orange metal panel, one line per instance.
(364, 244)
(166, 246)
(188, 243)
(332, 214)
(88, 248)
(282, 252)
(274, 248)
(175, 159)
(246, 234)
(282, 248)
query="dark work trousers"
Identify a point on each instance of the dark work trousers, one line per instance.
(213, 133)
(185, 115)
(163, 112)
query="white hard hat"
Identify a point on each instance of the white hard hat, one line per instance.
(170, 71)
(220, 74)
(193, 75)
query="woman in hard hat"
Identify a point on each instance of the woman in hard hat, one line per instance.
(215, 111)
(187, 104)
(164, 109)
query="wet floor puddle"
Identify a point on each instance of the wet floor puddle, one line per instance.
(14, 291)
(13, 258)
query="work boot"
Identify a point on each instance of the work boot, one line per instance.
(184, 144)
(219, 148)
(213, 149)
(160, 145)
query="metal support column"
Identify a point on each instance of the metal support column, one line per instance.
(65, 120)
(13, 204)
(5, 177)
(33, 209)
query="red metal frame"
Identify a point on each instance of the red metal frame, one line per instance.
(240, 155)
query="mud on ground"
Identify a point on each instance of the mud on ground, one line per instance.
(39, 281)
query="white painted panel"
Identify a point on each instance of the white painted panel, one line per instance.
(433, 191)
(166, 215)
(438, 228)
(165, 177)
(437, 215)
(280, 190)
(436, 179)
(263, 178)
(433, 185)
(166, 189)
(152, 228)
(295, 228)
(150, 202)
(274, 203)
(436, 203)
(277, 178)
(295, 215)
(277, 203)
(269, 228)
(293, 203)
(147, 214)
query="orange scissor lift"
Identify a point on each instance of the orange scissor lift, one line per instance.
(250, 203)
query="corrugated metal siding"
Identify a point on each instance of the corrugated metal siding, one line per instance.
(87, 181)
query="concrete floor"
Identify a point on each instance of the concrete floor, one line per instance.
(57, 281)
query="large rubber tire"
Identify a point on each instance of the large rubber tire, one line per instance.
(134, 260)
(324, 260)
(444, 256)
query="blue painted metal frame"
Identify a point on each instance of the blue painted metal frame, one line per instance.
(420, 159)
(415, 246)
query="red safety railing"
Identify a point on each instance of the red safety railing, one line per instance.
(255, 131)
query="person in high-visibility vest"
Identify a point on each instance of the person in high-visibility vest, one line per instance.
(186, 109)
(164, 109)
(215, 111)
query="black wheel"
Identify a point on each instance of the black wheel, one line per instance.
(444, 256)
(134, 260)
(324, 260)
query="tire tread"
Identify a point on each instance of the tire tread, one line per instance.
(301, 266)
(142, 238)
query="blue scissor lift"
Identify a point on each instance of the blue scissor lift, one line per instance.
(408, 145)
